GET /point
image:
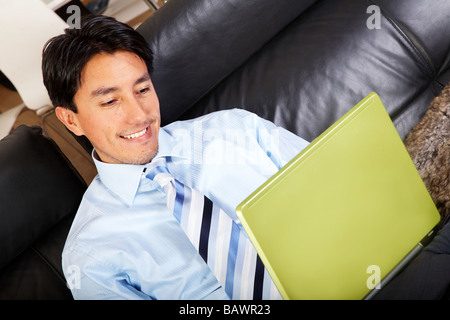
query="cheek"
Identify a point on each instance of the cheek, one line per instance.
(97, 130)
(152, 102)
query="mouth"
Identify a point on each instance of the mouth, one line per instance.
(135, 135)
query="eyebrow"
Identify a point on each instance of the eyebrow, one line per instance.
(145, 77)
(106, 90)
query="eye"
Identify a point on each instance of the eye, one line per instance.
(144, 90)
(109, 103)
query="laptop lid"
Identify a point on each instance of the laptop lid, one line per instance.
(343, 213)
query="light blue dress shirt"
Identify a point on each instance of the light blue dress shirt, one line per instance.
(125, 244)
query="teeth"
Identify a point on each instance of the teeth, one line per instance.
(136, 135)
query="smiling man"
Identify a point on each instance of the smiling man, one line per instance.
(117, 96)
(158, 221)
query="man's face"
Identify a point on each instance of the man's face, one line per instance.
(118, 109)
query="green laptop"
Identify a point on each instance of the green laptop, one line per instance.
(346, 212)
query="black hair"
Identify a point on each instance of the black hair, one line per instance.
(65, 55)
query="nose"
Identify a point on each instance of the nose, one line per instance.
(135, 111)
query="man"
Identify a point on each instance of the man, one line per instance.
(140, 231)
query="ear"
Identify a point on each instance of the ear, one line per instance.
(70, 120)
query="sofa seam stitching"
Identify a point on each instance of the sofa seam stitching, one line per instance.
(426, 63)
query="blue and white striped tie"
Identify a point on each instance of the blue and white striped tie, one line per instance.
(221, 243)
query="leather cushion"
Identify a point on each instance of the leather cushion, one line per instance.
(36, 274)
(300, 64)
(38, 188)
(325, 62)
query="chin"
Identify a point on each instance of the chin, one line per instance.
(139, 159)
(127, 157)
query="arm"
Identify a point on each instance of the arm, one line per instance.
(94, 279)
(232, 153)
(140, 252)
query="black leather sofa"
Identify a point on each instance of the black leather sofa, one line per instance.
(299, 63)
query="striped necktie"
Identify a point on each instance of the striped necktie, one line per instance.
(220, 241)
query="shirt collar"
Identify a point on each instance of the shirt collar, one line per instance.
(124, 179)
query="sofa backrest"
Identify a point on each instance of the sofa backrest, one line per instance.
(301, 64)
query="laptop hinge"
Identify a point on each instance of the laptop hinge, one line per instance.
(404, 263)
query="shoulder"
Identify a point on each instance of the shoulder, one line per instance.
(87, 252)
(219, 119)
